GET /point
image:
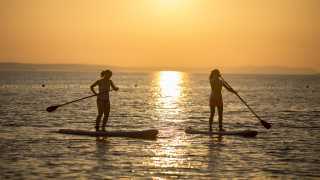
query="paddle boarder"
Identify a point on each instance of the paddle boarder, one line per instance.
(216, 97)
(103, 101)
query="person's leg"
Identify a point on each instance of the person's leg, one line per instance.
(220, 113)
(100, 111)
(212, 111)
(106, 111)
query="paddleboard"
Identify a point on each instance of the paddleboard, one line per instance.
(244, 133)
(142, 134)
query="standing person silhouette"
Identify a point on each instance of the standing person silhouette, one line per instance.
(216, 97)
(103, 101)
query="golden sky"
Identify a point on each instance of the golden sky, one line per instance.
(162, 33)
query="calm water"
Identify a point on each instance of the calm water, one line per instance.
(170, 102)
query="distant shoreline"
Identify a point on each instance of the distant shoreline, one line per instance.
(7, 66)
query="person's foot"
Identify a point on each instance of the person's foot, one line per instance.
(103, 129)
(97, 128)
(210, 129)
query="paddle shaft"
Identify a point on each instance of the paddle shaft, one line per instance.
(244, 102)
(77, 100)
(80, 99)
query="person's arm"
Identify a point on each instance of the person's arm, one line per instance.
(113, 86)
(94, 85)
(229, 88)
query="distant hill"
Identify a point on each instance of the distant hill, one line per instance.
(97, 68)
(271, 70)
(53, 67)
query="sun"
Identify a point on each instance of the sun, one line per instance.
(171, 6)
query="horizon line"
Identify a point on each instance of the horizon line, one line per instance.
(227, 69)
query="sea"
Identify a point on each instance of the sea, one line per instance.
(169, 101)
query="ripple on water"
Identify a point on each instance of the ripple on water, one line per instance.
(29, 149)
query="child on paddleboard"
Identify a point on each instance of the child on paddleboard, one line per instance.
(216, 97)
(103, 101)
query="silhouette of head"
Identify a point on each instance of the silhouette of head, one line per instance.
(106, 74)
(215, 74)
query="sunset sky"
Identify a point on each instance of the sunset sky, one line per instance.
(162, 33)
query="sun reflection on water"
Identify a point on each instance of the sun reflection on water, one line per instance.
(171, 86)
(169, 82)
(170, 89)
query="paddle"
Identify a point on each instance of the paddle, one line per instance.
(264, 123)
(53, 108)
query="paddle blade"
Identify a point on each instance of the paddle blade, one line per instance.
(265, 124)
(52, 108)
